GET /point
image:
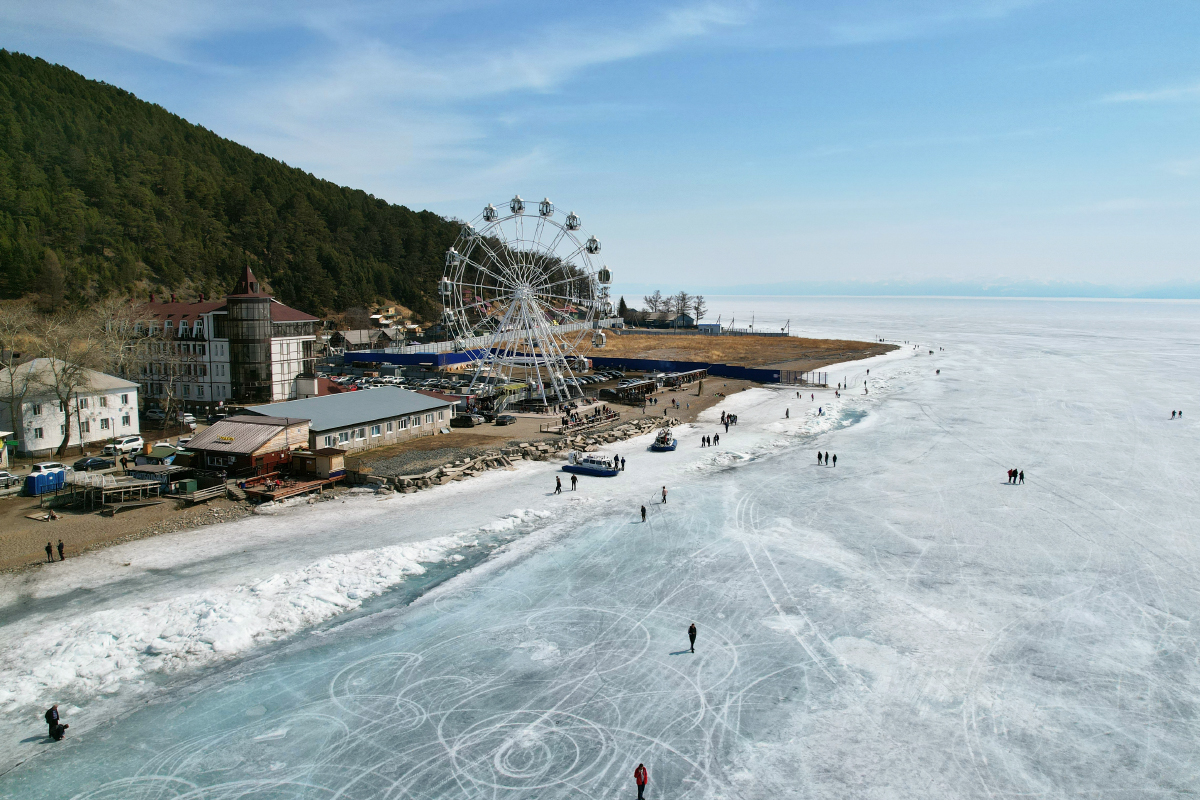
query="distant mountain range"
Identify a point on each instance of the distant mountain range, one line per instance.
(932, 287)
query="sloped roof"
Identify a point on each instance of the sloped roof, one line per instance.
(36, 374)
(348, 409)
(244, 433)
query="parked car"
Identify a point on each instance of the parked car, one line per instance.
(155, 414)
(466, 421)
(90, 463)
(187, 419)
(214, 418)
(7, 479)
(505, 419)
(124, 445)
(47, 466)
(183, 440)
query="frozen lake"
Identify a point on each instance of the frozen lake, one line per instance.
(905, 624)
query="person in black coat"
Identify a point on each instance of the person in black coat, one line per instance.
(52, 718)
(692, 636)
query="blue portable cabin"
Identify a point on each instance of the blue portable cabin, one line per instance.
(40, 483)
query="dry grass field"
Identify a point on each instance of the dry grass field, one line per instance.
(787, 352)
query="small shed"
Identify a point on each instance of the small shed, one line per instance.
(328, 462)
(165, 474)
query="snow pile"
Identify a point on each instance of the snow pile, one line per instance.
(96, 653)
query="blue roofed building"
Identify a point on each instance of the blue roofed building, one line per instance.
(365, 419)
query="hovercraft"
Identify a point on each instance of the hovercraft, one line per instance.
(588, 464)
(664, 442)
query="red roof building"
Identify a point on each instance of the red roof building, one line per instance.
(246, 348)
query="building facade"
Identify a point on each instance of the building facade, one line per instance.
(247, 348)
(370, 418)
(104, 407)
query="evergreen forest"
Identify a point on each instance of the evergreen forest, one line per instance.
(104, 194)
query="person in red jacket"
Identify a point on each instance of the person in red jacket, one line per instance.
(639, 775)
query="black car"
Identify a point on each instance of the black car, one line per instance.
(466, 421)
(488, 416)
(89, 464)
(505, 419)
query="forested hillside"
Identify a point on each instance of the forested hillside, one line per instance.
(103, 193)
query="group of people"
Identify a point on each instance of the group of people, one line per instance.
(1016, 476)
(50, 551)
(1173, 413)
(823, 458)
(710, 441)
(727, 420)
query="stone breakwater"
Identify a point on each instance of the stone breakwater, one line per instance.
(503, 458)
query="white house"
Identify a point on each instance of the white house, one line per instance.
(104, 407)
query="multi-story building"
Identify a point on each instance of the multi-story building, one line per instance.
(104, 407)
(247, 348)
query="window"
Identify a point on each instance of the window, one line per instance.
(362, 433)
(389, 427)
(83, 402)
(199, 347)
(61, 407)
(441, 415)
(404, 424)
(104, 424)
(62, 430)
(376, 430)
(187, 390)
(104, 402)
(125, 421)
(329, 441)
(37, 433)
(416, 421)
(124, 399)
(167, 326)
(200, 392)
(429, 418)
(37, 409)
(85, 427)
(344, 436)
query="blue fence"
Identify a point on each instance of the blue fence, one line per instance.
(411, 359)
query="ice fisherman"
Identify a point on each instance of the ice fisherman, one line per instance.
(640, 777)
(692, 636)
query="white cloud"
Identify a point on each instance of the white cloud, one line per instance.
(1170, 94)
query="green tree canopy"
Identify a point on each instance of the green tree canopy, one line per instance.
(118, 193)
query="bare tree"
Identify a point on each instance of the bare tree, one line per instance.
(654, 302)
(699, 307)
(682, 303)
(71, 346)
(16, 331)
(161, 368)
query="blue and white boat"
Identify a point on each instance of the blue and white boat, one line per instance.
(664, 442)
(588, 464)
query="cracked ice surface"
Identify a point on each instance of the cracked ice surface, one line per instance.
(903, 625)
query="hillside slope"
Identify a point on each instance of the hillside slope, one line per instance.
(127, 194)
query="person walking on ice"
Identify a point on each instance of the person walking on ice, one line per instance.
(641, 778)
(664, 494)
(574, 481)
(558, 485)
(835, 459)
(692, 636)
(1021, 476)
(643, 513)
(820, 458)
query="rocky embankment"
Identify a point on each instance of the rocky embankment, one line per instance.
(503, 458)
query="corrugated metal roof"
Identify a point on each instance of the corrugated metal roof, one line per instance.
(241, 435)
(36, 376)
(348, 409)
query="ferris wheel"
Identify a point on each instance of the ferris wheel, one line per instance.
(521, 289)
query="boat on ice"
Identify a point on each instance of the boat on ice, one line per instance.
(664, 442)
(589, 464)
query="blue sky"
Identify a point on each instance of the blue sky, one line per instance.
(712, 143)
